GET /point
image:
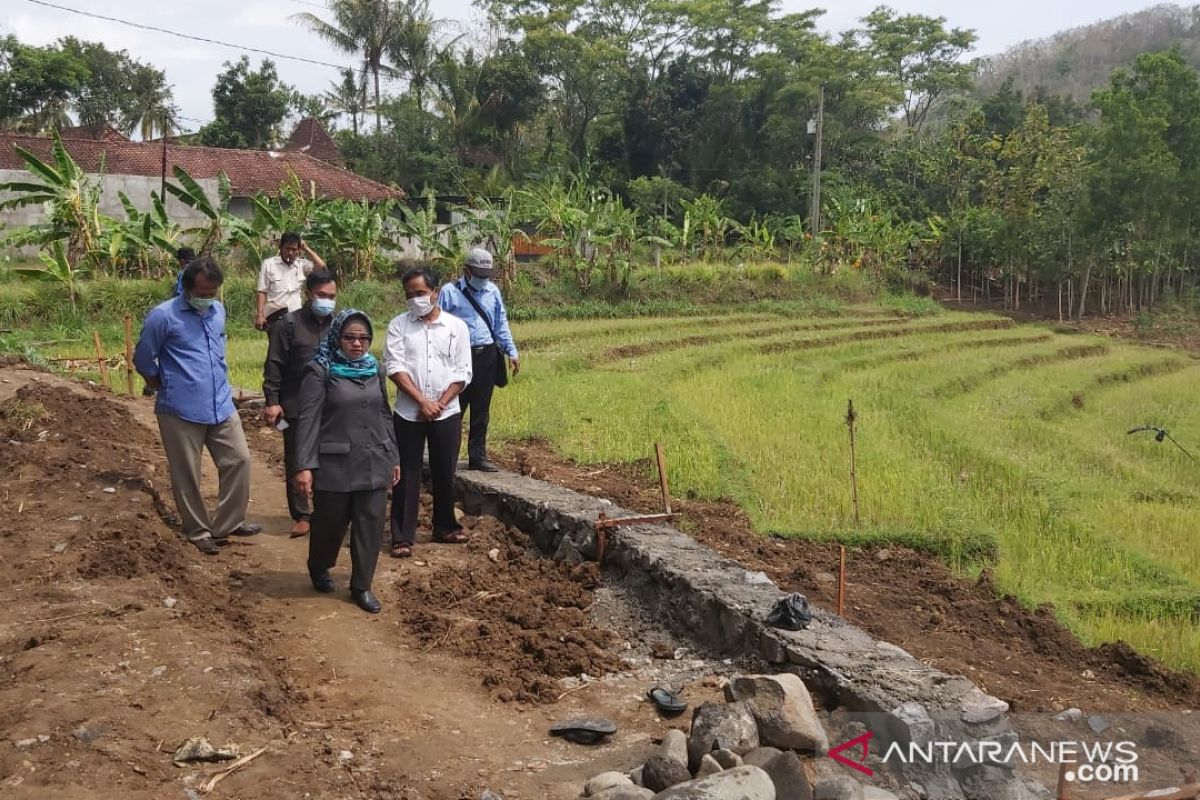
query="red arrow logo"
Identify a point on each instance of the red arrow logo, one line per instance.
(858, 742)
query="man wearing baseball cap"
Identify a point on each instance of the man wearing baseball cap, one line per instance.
(477, 301)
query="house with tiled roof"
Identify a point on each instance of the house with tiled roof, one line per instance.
(311, 137)
(139, 168)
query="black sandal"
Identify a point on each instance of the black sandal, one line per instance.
(401, 550)
(451, 537)
(668, 702)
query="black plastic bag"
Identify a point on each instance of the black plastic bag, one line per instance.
(790, 613)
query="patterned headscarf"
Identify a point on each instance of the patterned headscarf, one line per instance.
(329, 352)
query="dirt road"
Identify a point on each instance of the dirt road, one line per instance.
(118, 641)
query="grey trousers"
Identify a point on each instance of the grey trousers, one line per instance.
(364, 512)
(299, 506)
(184, 442)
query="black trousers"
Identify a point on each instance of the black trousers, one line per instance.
(444, 438)
(364, 513)
(476, 399)
(299, 506)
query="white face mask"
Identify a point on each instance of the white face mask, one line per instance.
(420, 306)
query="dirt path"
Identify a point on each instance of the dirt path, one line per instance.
(100, 680)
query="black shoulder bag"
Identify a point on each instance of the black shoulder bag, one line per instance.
(501, 356)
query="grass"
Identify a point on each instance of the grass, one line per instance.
(984, 442)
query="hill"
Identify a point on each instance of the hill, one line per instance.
(1079, 60)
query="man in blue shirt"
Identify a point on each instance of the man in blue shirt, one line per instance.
(491, 340)
(181, 354)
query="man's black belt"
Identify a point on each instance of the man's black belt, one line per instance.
(479, 348)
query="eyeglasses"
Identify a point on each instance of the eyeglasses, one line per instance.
(356, 339)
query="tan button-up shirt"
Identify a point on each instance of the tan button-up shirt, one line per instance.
(282, 282)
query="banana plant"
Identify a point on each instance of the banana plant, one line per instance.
(56, 266)
(436, 242)
(221, 223)
(497, 228)
(71, 197)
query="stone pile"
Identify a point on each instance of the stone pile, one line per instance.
(754, 746)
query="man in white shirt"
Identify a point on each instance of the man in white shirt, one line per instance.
(280, 279)
(428, 356)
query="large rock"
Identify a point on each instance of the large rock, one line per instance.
(605, 780)
(783, 709)
(675, 745)
(742, 783)
(875, 793)
(721, 726)
(661, 772)
(708, 766)
(625, 793)
(727, 758)
(789, 778)
(839, 788)
(760, 756)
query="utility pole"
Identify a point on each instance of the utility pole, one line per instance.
(815, 214)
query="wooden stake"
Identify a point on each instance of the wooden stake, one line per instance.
(841, 608)
(100, 358)
(662, 477)
(850, 418)
(129, 354)
(1064, 785)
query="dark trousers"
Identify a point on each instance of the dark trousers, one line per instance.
(299, 506)
(273, 318)
(444, 437)
(476, 398)
(364, 513)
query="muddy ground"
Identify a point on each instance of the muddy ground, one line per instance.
(118, 640)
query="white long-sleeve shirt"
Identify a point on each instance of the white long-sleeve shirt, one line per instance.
(434, 354)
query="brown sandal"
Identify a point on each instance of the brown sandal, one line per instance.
(451, 537)
(401, 551)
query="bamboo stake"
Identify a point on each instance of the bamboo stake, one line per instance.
(662, 477)
(850, 418)
(129, 354)
(100, 358)
(841, 607)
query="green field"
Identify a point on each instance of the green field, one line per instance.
(985, 442)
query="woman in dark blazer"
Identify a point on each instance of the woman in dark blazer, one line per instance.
(346, 454)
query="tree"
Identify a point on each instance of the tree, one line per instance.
(248, 106)
(119, 91)
(921, 55)
(360, 27)
(346, 97)
(37, 84)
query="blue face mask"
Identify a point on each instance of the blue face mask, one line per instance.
(477, 283)
(323, 307)
(201, 304)
(345, 356)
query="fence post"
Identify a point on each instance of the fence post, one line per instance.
(129, 353)
(100, 359)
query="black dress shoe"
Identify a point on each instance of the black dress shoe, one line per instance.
(246, 529)
(366, 601)
(322, 582)
(207, 546)
(483, 466)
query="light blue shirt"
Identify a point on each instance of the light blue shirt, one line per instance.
(186, 351)
(453, 300)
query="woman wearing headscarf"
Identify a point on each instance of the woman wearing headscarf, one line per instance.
(346, 454)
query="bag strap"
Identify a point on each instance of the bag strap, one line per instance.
(466, 291)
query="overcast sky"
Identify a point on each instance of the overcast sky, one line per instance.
(191, 66)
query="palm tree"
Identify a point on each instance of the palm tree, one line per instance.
(151, 109)
(359, 27)
(347, 97)
(414, 49)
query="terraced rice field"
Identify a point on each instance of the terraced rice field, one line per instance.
(992, 443)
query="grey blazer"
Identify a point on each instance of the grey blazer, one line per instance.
(344, 432)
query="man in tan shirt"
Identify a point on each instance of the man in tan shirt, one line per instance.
(281, 277)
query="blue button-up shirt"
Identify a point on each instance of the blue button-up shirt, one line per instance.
(452, 299)
(185, 350)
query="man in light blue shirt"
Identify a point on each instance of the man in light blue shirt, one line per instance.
(491, 340)
(181, 354)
